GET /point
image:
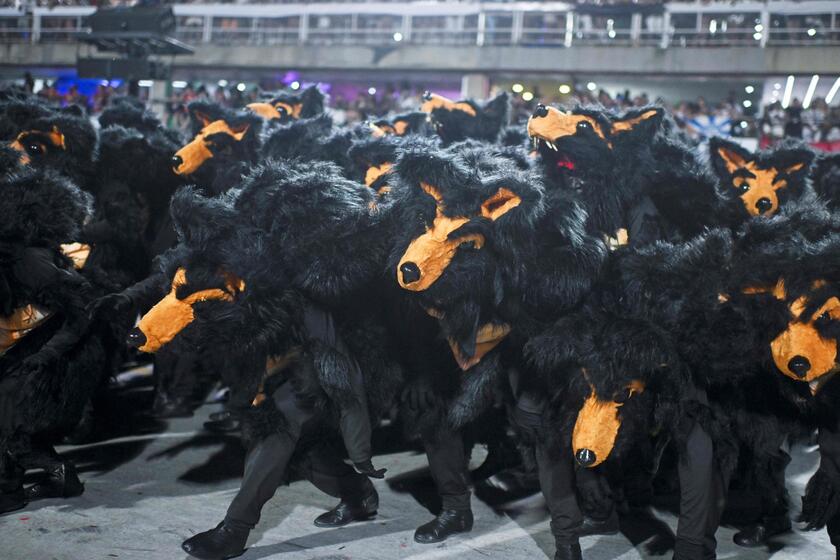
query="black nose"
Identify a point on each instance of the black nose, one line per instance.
(136, 338)
(427, 95)
(540, 111)
(177, 161)
(763, 205)
(410, 272)
(585, 457)
(799, 365)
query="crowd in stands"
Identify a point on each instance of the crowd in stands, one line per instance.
(817, 124)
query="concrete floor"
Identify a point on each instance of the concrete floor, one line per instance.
(151, 485)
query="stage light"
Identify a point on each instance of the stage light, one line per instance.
(747, 103)
(517, 88)
(398, 36)
(611, 33)
(178, 84)
(591, 86)
(372, 90)
(222, 83)
(812, 32)
(777, 86)
(295, 85)
(713, 26)
(527, 96)
(145, 83)
(240, 86)
(759, 28)
(809, 95)
(565, 88)
(788, 91)
(749, 89)
(744, 124)
(833, 91)
(757, 36)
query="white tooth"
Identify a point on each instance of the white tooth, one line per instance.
(552, 146)
(814, 386)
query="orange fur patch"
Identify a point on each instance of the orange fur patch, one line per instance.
(162, 323)
(598, 423)
(440, 102)
(432, 251)
(557, 124)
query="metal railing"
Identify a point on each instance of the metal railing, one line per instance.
(554, 24)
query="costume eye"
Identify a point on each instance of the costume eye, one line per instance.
(35, 148)
(584, 125)
(744, 187)
(469, 244)
(823, 319)
(282, 110)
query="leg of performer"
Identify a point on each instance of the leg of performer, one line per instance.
(265, 469)
(448, 464)
(702, 492)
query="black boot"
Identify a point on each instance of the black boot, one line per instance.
(757, 535)
(568, 552)
(348, 511)
(12, 501)
(447, 523)
(592, 526)
(61, 482)
(217, 544)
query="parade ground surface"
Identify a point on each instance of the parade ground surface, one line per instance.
(152, 484)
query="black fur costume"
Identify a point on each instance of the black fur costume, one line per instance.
(50, 362)
(224, 146)
(637, 182)
(479, 257)
(458, 120)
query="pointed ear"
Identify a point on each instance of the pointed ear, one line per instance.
(633, 120)
(313, 102)
(795, 160)
(239, 130)
(498, 107)
(202, 117)
(500, 204)
(727, 157)
(57, 138)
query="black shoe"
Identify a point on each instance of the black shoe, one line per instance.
(568, 552)
(217, 544)
(591, 526)
(62, 482)
(222, 422)
(447, 523)
(12, 501)
(757, 535)
(174, 408)
(347, 512)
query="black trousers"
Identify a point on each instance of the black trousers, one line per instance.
(556, 471)
(702, 495)
(557, 482)
(448, 464)
(267, 463)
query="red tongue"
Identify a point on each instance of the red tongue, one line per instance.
(567, 163)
